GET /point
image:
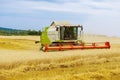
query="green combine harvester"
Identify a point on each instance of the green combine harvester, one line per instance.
(64, 36)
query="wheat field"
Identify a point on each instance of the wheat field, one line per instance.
(21, 59)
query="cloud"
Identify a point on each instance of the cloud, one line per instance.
(102, 15)
(93, 7)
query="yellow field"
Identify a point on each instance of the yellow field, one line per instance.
(21, 59)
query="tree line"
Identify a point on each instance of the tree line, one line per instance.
(20, 32)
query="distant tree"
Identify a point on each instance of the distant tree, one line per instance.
(33, 32)
(20, 32)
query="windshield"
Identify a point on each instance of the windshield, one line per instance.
(68, 33)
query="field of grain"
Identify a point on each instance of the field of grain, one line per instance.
(21, 59)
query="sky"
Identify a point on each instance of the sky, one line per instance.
(96, 16)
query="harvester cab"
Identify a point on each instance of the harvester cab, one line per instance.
(70, 32)
(64, 36)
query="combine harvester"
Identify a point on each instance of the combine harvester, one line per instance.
(64, 36)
